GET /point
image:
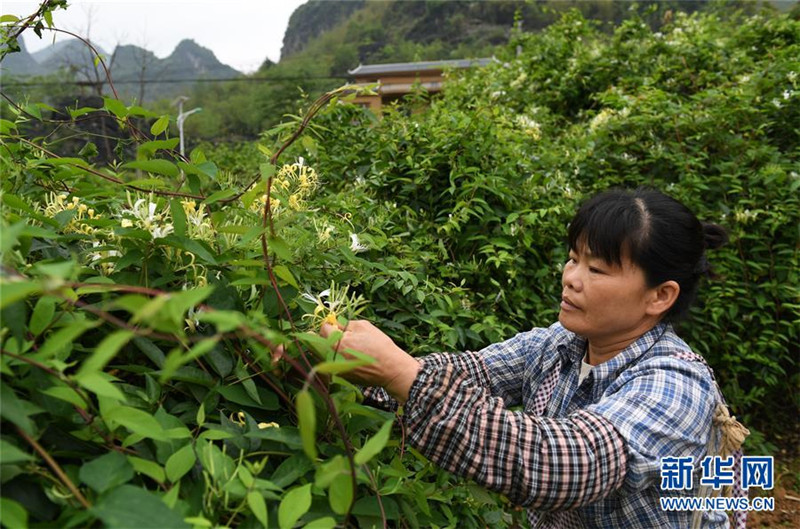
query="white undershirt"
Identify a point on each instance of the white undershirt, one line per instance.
(586, 368)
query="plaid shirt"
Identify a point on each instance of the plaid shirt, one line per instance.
(577, 456)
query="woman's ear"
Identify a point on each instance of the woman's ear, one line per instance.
(663, 297)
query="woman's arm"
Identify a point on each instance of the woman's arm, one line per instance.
(548, 464)
(543, 463)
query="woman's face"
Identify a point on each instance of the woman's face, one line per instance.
(604, 302)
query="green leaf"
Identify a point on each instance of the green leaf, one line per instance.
(321, 523)
(137, 421)
(280, 247)
(17, 290)
(7, 126)
(339, 366)
(8, 18)
(171, 497)
(294, 504)
(100, 384)
(219, 195)
(105, 351)
(62, 339)
(217, 463)
(14, 409)
(149, 183)
(106, 472)
(180, 463)
(14, 514)
(78, 112)
(215, 435)
(162, 167)
(11, 454)
(201, 414)
(149, 148)
(245, 477)
(178, 217)
(330, 470)
(225, 320)
(66, 394)
(375, 444)
(179, 303)
(259, 507)
(284, 273)
(148, 468)
(42, 314)
(250, 387)
(285, 434)
(192, 246)
(307, 421)
(150, 350)
(159, 126)
(115, 106)
(198, 521)
(130, 507)
(340, 494)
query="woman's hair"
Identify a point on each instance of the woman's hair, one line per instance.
(656, 232)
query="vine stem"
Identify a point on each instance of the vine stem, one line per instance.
(52, 372)
(56, 468)
(109, 177)
(86, 416)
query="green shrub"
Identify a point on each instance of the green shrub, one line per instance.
(137, 375)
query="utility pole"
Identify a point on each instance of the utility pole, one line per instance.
(182, 117)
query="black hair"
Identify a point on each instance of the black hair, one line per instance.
(656, 232)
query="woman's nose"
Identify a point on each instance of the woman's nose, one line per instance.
(570, 277)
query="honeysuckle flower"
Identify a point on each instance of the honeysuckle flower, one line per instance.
(57, 203)
(331, 303)
(94, 257)
(265, 425)
(531, 127)
(238, 418)
(198, 224)
(355, 244)
(324, 231)
(159, 232)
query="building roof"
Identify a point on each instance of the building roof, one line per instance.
(413, 67)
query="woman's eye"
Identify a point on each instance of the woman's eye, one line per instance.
(595, 270)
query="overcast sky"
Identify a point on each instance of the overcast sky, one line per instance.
(241, 33)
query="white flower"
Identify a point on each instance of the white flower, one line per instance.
(776, 102)
(159, 232)
(792, 76)
(318, 298)
(355, 244)
(787, 94)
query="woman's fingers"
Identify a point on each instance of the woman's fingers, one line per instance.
(327, 329)
(277, 354)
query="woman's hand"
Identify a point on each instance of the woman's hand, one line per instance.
(394, 369)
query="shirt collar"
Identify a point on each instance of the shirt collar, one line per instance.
(630, 355)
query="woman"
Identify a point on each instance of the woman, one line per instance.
(607, 391)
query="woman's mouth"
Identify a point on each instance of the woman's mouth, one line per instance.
(566, 304)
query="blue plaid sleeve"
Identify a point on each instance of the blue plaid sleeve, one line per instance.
(507, 361)
(662, 408)
(543, 463)
(468, 363)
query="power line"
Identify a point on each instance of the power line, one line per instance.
(171, 81)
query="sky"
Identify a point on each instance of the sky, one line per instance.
(241, 33)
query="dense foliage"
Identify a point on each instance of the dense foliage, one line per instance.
(141, 298)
